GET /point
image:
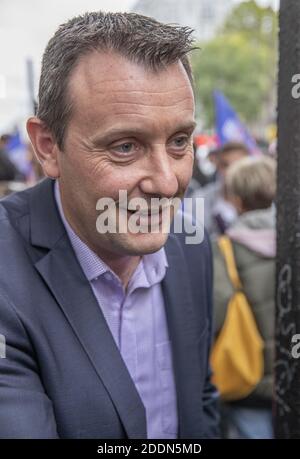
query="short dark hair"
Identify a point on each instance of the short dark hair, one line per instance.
(5, 138)
(139, 38)
(234, 146)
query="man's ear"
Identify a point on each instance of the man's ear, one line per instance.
(44, 146)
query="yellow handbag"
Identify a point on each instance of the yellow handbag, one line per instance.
(237, 355)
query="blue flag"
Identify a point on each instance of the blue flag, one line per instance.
(229, 127)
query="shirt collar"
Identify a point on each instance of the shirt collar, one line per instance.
(151, 269)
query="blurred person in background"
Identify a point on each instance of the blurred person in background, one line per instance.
(219, 213)
(250, 185)
(199, 178)
(8, 170)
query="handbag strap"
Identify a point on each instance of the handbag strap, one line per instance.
(226, 249)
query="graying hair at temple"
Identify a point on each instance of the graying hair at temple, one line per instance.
(139, 38)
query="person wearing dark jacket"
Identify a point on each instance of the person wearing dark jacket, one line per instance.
(8, 170)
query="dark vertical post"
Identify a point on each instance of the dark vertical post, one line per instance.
(287, 364)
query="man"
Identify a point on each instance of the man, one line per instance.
(107, 333)
(219, 214)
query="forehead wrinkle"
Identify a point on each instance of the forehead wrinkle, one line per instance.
(136, 116)
(140, 104)
(97, 87)
(91, 106)
(150, 92)
(107, 108)
(134, 93)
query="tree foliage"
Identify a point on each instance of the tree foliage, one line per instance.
(240, 61)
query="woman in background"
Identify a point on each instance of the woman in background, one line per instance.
(250, 186)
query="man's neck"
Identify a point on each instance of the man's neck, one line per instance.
(123, 267)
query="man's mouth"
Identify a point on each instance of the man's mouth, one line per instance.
(145, 212)
(148, 217)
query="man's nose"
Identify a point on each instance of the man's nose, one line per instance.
(160, 177)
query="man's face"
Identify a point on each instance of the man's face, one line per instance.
(226, 159)
(130, 129)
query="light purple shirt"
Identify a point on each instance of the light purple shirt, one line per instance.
(137, 321)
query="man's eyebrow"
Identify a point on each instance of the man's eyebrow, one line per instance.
(190, 126)
(114, 134)
(122, 131)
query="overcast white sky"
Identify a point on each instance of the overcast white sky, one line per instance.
(25, 28)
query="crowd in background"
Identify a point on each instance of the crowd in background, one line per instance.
(239, 191)
(239, 202)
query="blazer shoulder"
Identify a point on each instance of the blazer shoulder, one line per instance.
(15, 206)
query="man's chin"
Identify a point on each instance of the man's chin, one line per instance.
(143, 244)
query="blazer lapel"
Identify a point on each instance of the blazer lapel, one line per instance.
(184, 337)
(65, 278)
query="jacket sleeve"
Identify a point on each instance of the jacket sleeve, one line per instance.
(25, 409)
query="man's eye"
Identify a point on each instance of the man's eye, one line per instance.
(180, 142)
(125, 148)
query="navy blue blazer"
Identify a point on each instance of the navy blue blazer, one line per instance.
(63, 375)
